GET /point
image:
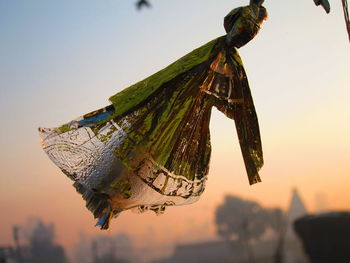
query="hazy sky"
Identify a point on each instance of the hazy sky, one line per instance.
(61, 59)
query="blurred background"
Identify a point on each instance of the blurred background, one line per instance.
(62, 59)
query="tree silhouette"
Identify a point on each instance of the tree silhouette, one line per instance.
(244, 221)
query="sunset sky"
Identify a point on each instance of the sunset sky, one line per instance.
(61, 59)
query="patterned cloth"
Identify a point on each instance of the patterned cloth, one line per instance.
(151, 147)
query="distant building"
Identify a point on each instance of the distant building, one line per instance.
(293, 251)
(220, 252)
(264, 251)
(33, 254)
(6, 254)
(326, 236)
(200, 252)
(39, 247)
(111, 249)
